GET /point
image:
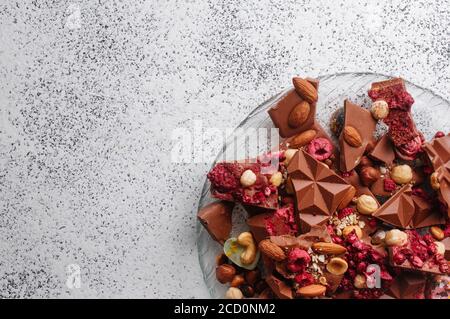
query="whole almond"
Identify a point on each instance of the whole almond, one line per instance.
(305, 89)
(312, 291)
(352, 136)
(302, 139)
(348, 197)
(266, 247)
(328, 248)
(299, 114)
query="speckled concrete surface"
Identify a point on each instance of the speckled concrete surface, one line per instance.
(90, 92)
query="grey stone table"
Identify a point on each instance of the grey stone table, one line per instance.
(90, 203)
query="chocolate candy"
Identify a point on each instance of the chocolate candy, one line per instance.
(283, 108)
(216, 218)
(384, 150)
(318, 189)
(438, 151)
(362, 122)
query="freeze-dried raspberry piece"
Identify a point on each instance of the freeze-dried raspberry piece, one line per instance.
(320, 148)
(282, 222)
(402, 128)
(345, 212)
(304, 279)
(298, 260)
(389, 185)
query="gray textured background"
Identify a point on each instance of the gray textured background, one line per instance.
(91, 91)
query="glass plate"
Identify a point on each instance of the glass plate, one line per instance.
(430, 112)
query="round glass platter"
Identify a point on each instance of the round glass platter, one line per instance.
(430, 112)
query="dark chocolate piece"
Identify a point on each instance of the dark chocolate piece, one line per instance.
(384, 150)
(361, 119)
(280, 112)
(216, 218)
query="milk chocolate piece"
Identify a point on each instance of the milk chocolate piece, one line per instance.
(280, 112)
(307, 221)
(361, 119)
(318, 189)
(402, 128)
(446, 243)
(216, 218)
(408, 286)
(384, 150)
(226, 185)
(399, 209)
(378, 190)
(438, 151)
(425, 262)
(424, 214)
(279, 288)
(438, 287)
(354, 180)
(257, 225)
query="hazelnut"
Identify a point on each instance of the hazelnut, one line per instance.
(252, 276)
(360, 281)
(234, 293)
(402, 174)
(225, 273)
(276, 179)
(379, 109)
(369, 175)
(337, 266)
(248, 178)
(378, 237)
(395, 237)
(289, 154)
(247, 291)
(237, 281)
(348, 229)
(365, 161)
(434, 181)
(437, 232)
(440, 247)
(366, 204)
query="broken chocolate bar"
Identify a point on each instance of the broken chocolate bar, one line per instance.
(216, 218)
(282, 110)
(361, 122)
